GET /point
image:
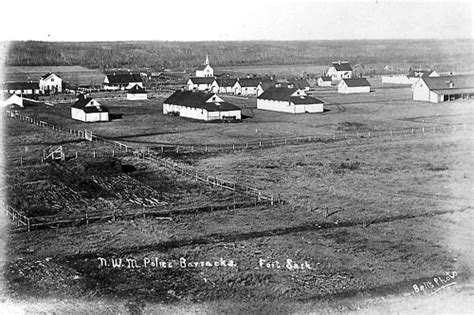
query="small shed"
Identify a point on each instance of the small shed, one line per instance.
(89, 110)
(137, 93)
(324, 81)
(14, 100)
(349, 86)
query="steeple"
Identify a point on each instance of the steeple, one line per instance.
(207, 60)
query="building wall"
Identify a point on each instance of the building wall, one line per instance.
(238, 90)
(344, 89)
(338, 75)
(323, 83)
(136, 96)
(421, 92)
(288, 107)
(396, 79)
(225, 89)
(198, 113)
(78, 114)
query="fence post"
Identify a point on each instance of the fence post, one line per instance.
(93, 154)
(206, 149)
(369, 134)
(391, 133)
(28, 222)
(423, 129)
(113, 152)
(177, 149)
(21, 161)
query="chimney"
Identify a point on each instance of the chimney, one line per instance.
(248, 75)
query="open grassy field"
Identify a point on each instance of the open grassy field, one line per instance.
(361, 219)
(74, 75)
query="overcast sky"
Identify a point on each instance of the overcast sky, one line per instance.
(184, 20)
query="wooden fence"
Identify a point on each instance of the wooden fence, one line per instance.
(25, 223)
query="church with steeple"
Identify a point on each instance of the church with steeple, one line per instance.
(207, 71)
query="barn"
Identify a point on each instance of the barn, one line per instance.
(443, 88)
(339, 70)
(200, 105)
(136, 93)
(207, 71)
(324, 81)
(288, 100)
(122, 81)
(349, 86)
(51, 83)
(89, 110)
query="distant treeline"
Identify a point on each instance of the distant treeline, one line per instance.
(158, 54)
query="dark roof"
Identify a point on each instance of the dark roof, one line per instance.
(226, 81)
(304, 99)
(356, 82)
(48, 74)
(249, 82)
(342, 66)
(325, 78)
(450, 82)
(136, 89)
(300, 84)
(198, 99)
(123, 78)
(202, 80)
(277, 93)
(21, 86)
(419, 73)
(82, 102)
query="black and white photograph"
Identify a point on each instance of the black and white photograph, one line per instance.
(249, 157)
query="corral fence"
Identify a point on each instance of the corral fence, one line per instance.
(28, 223)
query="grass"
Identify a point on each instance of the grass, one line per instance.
(371, 215)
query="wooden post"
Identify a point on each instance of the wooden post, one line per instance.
(260, 143)
(21, 161)
(412, 130)
(93, 154)
(369, 134)
(206, 149)
(233, 147)
(177, 149)
(423, 129)
(28, 222)
(113, 152)
(391, 132)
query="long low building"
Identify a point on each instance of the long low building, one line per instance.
(349, 86)
(200, 105)
(289, 100)
(443, 88)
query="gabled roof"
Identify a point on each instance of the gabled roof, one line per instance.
(419, 73)
(249, 82)
(325, 78)
(356, 82)
(305, 99)
(226, 81)
(202, 80)
(123, 78)
(20, 86)
(454, 82)
(84, 104)
(277, 93)
(136, 89)
(44, 77)
(198, 99)
(341, 66)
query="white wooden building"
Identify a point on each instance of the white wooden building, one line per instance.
(12, 100)
(200, 105)
(324, 81)
(443, 88)
(339, 70)
(203, 84)
(89, 110)
(51, 83)
(122, 81)
(289, 100)
(348, 86)
(246, 86)
(207, 71)
(137, 93)
(225, 85)
(21, 88)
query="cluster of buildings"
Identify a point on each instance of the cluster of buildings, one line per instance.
(200, 99)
